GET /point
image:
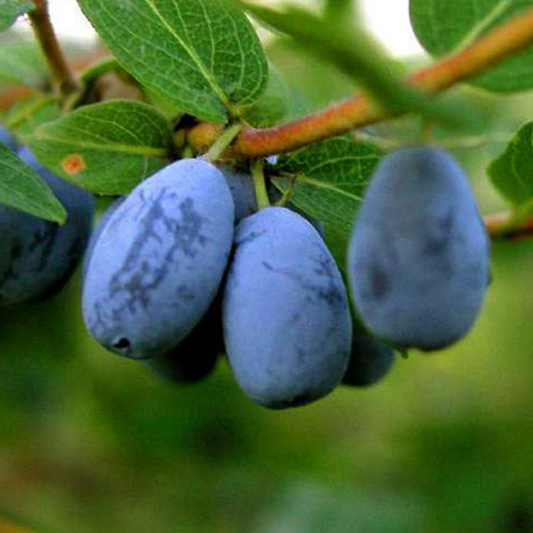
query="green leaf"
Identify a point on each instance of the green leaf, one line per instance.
(338, 243)
(364, 62)
(22, 188)
(96, 70)
(22, 63)
(333, 9)
(10, 10)
(443, 26)
(107, 148)
(201, 55)
(169, 109)
(512, 171)
(327, 179)
(273, 106)
(27, 115)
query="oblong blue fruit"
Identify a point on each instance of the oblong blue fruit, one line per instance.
(196, 356)
(242, 190)
(37, 256)
(287, 325)
(158, 262)
(419, 254)
(275, 196)
(182, 366)
(104, 219)
(7, 139)
(370, 361)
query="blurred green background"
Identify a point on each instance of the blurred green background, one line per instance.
(90, 442)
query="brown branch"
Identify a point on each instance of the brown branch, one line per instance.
(501, 226)
(348, 115)
(61, 73)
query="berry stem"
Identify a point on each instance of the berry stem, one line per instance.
(485, 52)
(61, 73)
(222, 143)
(258, 175)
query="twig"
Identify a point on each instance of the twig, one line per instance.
(348, 115)
(500, 226)
(60, 70)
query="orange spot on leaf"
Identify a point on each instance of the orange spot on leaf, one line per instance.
(73, 164)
